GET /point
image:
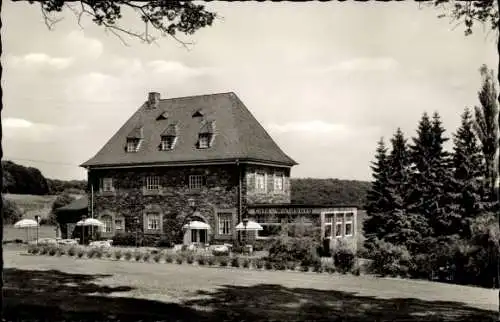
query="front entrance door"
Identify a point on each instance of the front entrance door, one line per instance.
(199, 236)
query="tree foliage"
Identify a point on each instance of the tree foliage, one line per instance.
(11, 213)
(168, 17)
(23, 180)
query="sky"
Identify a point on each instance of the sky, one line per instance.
(327, 80)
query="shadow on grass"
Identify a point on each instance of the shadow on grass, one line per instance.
(55, 296)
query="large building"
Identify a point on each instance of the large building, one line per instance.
(203, 162)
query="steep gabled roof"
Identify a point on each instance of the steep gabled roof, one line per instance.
(239, 135)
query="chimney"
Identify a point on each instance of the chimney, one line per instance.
(153, 99)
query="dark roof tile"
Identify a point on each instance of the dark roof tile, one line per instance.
(239, 135)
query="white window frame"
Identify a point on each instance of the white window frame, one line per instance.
(351, 222)
(258, 182)
(329, 223)
(281, 178)
(120, 227)
(107, 220)
(196, 181)
(152, 183)
(204, 141)
(339, 222)
(153, 221)
(107, 185)
(133, 145)
(168, 142)
(225, 223)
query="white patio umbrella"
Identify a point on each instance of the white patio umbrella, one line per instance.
(90, 222)
(196, 225)
(251, 225)
(26, 224)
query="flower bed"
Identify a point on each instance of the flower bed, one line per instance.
(182, 257)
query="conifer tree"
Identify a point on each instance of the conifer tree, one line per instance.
(468, 172)
(378, 199)
(399, 171)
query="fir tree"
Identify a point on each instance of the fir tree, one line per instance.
(399, 171)
(378, 199)
(468, 171)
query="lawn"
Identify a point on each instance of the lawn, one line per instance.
(11, 233)
(60, 288)
(32, 205)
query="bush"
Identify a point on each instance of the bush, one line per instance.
(80, 252)
(179, 259)
(11, 212)
(201, 260)
(164, 243)
(259, 263)
(304, 268)
(211, 260)
(329, 268)
(118, 254)
(72, 251)
(146, 256)
(190, 258)
(220, 253)
(291, 265)
(389, 259)
(246, 263)
(107, 254)
(33, 249)
(137, 256)
(223, 261)
(124, 239)
(157, 258)
(235, 262)
(52, 251)
(128, 255)
(280, 266)
(61, 251)
(293, 249)
(344, 258)
(269, 265)
(169, 258)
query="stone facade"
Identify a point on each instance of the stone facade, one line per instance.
(126, 207)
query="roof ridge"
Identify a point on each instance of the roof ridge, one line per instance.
(199, 95)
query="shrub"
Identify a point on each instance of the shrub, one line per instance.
(389, 259)
(329, 268)
(146, 256)
(318, 267)
(211, 260)
(293, 249)
(344, 258)
(268, 265)
(246, 263)
(124, 239)
(61, 251)
(235, 262)
(356, 270)
(118, 254)
(43, 250)
(128, 255)
(304, 268)
(216, 252)
(179, 259)
(52, 251)
(72, 251)
(290, 265)
(157, 258)
(259, 263)
(33, 249)
(137, 256)
(190, 258)
(169, 258)
(80, 252)
(107, 254)
(164, 243)
(280, 266)
(223, 261)
(10, 211)
(201, 260)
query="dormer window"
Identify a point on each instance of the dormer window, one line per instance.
(204, 141)
(198, 113)
(206, 135)
(134, 139)
(133, 145)
(167, 142)
(169, 137)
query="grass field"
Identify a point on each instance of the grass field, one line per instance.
(32, 205)
(60, 288)
(10, 233)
